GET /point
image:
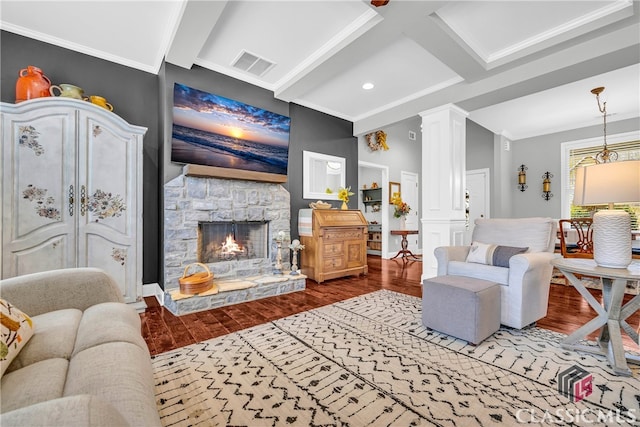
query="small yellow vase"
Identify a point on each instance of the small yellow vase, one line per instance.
(344, 206)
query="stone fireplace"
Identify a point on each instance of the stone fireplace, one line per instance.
(200, 213)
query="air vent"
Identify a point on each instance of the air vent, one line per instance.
(252, 63)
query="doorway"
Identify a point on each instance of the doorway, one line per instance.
(369, 173)
(409, 192)
(478, 188)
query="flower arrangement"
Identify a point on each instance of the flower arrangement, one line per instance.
(343, 193)
(401, 209)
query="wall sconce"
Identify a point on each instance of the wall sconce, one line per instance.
(546, 185)
(522, 178)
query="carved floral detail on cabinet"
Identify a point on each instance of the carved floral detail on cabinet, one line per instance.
(45, 206)
(96, 131)
(28, 137)
(119, 255)
(105, 205)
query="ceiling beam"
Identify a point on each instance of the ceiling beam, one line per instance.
(380, 30)
(433, 38)
(590, 58)
(194, 27)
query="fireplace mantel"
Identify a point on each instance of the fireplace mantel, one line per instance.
(216, 172)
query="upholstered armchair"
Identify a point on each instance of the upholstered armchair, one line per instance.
(516, 254)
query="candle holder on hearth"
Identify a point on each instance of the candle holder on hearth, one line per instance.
(280, 238)
(295, 246)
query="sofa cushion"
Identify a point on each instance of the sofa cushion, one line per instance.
(54, 336)
(492, 273)
(121, 374)
(71, 411)
(492, 254)
(108, 322)
(16, 330)
(35, 383)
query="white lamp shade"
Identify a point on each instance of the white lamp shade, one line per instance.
(617, 182)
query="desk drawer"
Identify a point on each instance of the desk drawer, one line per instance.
(332, 249)
(332, 264)
(338, 234)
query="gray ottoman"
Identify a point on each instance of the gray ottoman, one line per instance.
(462, 307)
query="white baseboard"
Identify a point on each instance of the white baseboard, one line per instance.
(153, 290)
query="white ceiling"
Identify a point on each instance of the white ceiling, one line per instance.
(520, 68)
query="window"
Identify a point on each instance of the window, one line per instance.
(576, 154)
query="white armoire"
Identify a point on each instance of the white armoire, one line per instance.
(71, 191)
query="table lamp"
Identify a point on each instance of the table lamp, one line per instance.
(609, 183)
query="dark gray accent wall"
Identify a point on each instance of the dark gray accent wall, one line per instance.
(314, 131)
(133, 93)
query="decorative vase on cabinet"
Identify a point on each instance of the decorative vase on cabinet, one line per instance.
(72, 191)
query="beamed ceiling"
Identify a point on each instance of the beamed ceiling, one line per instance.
(520, 68)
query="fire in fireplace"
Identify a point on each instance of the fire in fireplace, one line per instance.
(228, 241)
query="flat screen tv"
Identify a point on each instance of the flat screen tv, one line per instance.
(211, 130)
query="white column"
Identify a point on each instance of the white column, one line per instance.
(505, 178)
(443, 181)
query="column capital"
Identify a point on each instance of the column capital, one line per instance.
(445, 107)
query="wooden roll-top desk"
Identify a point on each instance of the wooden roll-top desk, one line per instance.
(335, 243)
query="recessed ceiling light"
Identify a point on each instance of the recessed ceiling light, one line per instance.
(367, 86)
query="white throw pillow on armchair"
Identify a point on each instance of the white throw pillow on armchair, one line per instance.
(482, 253)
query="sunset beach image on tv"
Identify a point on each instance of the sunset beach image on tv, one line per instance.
(215, 131)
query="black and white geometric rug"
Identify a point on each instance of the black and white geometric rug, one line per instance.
(368, 361)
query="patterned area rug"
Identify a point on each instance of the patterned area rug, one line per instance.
(368, 361)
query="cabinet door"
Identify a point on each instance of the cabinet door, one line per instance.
(356, 253)
(39, 209)
(110, 223)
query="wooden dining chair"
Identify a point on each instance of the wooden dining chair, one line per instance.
(583, 245)
(582, 228)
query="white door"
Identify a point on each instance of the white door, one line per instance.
(478, 195)
(409, 193)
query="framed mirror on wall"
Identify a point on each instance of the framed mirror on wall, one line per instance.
(321, 172)
(394, 187)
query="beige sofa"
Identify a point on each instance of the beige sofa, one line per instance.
(86, 363)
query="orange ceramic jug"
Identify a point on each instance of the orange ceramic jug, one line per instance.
(32, 83)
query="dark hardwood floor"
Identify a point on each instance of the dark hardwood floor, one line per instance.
(163, 331)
